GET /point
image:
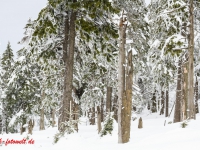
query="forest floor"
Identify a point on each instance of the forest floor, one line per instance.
(153, 136)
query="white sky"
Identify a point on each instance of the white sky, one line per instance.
(13, 18)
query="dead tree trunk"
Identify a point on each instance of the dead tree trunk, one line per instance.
(121, 80)
(68, 58)
(124, 88)
(177, 113)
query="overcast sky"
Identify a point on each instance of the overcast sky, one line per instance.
(13, 18)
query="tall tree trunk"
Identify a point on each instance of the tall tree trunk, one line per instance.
(98, 119)
(191, 108)
(167, 103)
(108, 99)
(68, 56)
(177, 112)
(121, 80)
(23, 129)
(196, 96)
(124, 88)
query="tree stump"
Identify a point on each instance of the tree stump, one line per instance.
(140, 124)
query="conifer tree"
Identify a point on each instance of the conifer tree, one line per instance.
(7, 62)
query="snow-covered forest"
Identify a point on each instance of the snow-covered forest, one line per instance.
(102, 73)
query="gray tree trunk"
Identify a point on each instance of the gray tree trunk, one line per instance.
(68, 58)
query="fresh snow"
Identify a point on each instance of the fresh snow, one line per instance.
(153, 136)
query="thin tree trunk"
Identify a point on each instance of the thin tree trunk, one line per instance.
(108, 99)
(196, 96)
(191, 108)
(98, 119)
(177, 112)
(167, 103)
(102, 110)
(68, 56)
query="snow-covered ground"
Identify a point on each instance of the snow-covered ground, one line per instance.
(153, 136)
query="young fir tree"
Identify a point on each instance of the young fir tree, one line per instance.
(7, 63)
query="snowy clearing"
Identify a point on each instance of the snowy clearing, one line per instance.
(153, 136)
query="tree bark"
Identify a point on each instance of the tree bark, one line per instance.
(140, 123)
(68, 58)
(121, 80)
(191, 108)
(102, 110)
(177, 112)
